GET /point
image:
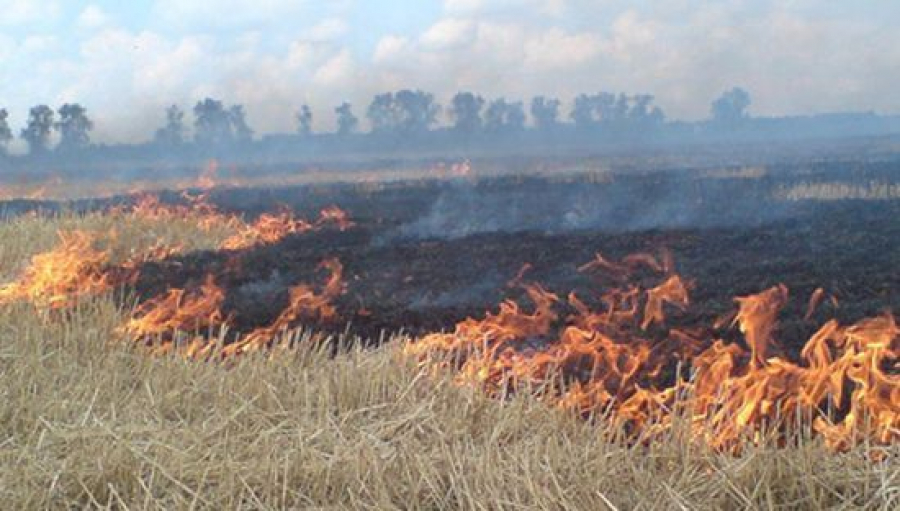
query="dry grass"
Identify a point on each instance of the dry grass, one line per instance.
(124, 235)
(86, 421)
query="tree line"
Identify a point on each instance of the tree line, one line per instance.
(73, 127)
(406, 113)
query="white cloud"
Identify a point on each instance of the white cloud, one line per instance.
(465, 6)
(272, 56)
(449, 33)
(481, 7)
(124, 78)
(557, 50)
(328, 30)
(34, 44)
(7, 47)
(301, 54)
(494, 58)
(195, 14)
(24, 12)
(390, 48)
(92, 18)
(336, 71)
(19, 12)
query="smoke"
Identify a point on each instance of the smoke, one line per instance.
(623, 203)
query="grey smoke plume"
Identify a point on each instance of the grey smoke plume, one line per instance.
(620, 204)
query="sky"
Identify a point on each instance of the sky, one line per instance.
(126, 61)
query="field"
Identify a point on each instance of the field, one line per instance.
(257, 347)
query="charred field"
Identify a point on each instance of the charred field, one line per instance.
(421, 256)
(425, 285)
(726, 334)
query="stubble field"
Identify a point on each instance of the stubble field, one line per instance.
(328, 409)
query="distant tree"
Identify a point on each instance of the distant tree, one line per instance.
(37, 131)
(216, 125)
(5, 133)
(493, 116)
(731, 106)
(641, 106)
(381, 113)
(239, 127)
(417, 110)
(172, 134)
(643, 113)
(545, 112)
(304, 121)
(620, 109)
(591, 110)
(504, 117)
(616, 112)
(466, 112)
(346, 121)
(73, 127)
(583, 112)
(515, 116)
(404, 112)
(212, 123)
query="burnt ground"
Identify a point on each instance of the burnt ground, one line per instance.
(732, 241)
(428, 253)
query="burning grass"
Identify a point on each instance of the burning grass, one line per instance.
(90, 423)
(89, 420)
(844, 385)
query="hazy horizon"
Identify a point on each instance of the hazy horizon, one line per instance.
(126, 63)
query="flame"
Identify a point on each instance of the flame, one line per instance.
(612, 353)
(75, 268)
(57, 278)
(844, 383)
(198, 210)
(673, 291)
(304, 303)
(270, 228)
(757, 319)
(333, 215)
(177, 310)
(267, 229)
(178, 319)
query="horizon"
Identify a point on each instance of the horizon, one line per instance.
(125, 64)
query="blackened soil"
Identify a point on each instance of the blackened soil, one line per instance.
(850, 248)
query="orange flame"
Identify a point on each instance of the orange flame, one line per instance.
(198, 210)
(177, 310)
(75, 268)
(845, 383)
(271, 228)
(57, 278)
(165, 319)
(304, 303)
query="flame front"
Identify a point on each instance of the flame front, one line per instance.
(57, 278)
(197, 209)
(186, 321)
(178, 310)
(613, 354)
(270, 228)
(845, 381)
(76, 267)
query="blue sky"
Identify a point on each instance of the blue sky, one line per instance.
(125, 61)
